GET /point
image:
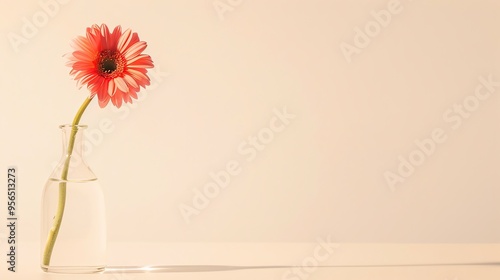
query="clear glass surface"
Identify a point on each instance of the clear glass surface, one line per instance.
(80, 245)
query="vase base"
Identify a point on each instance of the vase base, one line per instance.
(73, 269)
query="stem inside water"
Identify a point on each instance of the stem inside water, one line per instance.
(54, 231)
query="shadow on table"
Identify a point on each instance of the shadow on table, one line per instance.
(205, 268)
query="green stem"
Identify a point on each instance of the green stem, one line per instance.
(54, 231)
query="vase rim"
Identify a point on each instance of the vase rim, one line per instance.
(71, 126)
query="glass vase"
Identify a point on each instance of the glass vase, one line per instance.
(73, 230)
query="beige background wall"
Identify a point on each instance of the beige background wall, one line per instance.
(359, 94)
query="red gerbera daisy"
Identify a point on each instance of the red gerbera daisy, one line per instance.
(110, 64)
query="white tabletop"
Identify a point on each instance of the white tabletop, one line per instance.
(338, 273)
(280, 261)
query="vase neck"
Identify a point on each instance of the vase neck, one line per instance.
(72, 137)
(72, 164)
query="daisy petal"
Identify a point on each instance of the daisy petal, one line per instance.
(120, 82)
(111, 88)
(124, 40)
(130, 81)
(134, 50)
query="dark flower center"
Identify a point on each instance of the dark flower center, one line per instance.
(110, 64)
